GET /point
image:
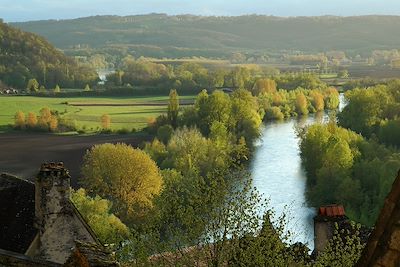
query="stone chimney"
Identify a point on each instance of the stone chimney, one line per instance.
(324, 225)
(52, 192)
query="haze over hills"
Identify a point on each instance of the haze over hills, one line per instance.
(183, 35)
(25, 55)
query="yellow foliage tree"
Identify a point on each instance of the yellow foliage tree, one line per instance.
(301, 104)
(31, 120)
(105, 121)
(45, 118)
(19, 120)
(318, 101)
(53, 124)
(264, 86)
(127, 176)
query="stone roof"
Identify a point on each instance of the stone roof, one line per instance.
(8, 258)
(93, 255)
(17, 213)
(383, 247)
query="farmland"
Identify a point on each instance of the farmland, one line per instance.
(85, 112)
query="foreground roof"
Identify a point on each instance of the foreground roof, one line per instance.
(17, 213)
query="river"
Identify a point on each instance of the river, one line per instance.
(278, 174)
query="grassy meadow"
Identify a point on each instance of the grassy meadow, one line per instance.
(125, 112)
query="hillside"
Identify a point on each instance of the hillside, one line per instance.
(161, 35)
(24, 56)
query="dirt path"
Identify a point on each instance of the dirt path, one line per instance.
(22, 153)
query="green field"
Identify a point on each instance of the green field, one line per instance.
(125, 112)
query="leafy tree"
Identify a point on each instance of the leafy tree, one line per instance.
(343, 74)
(344, 249)
(53, 124)
(97, 213)
(173, 108)
(32, 86)
(274, 113)
(87, 88)
(57, 89)
(31, 120)
(246, 119)
(127, 176)
(19, 120)
(301, 104)
(331, 98)
(318, 101)
(164, 133)
(105, 121)
(44, 118)
(264, 86)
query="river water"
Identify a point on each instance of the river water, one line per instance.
(278, 174)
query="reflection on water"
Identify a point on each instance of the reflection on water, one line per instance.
(278, 175)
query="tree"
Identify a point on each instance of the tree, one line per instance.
(343, 250)
(105, 121)
(301, 104)
(19, 120)
(57, 89)
(164, 133)
(45, 118)
(317, 101)
(97, 213)
(264, 86)
(87, 88)
(32, 120)
(53, 124)
(33, 86)
(127, 176)
(173, 108)
(343, 74)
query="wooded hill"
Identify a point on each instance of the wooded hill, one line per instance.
(25, 56)
(161, 35)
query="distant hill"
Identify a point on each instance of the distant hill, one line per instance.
(190, 35)
(24, 56)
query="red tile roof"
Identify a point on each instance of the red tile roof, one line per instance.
(332, 211)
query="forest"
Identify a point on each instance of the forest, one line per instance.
(354, 162)
(160, 35)
(25, 56)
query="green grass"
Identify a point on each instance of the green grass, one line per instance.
(328, 76)
(88, 117)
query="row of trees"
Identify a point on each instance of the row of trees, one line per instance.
(46, 121)
(194, 76)
(282, 104)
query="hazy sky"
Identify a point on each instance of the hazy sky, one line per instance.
(22, 10)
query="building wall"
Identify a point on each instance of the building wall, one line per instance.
(323, 232)
(58, 241)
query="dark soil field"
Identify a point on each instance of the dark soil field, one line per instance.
(22, 153)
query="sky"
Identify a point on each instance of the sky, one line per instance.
(25, 10)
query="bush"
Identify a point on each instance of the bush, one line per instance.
(274, 113)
